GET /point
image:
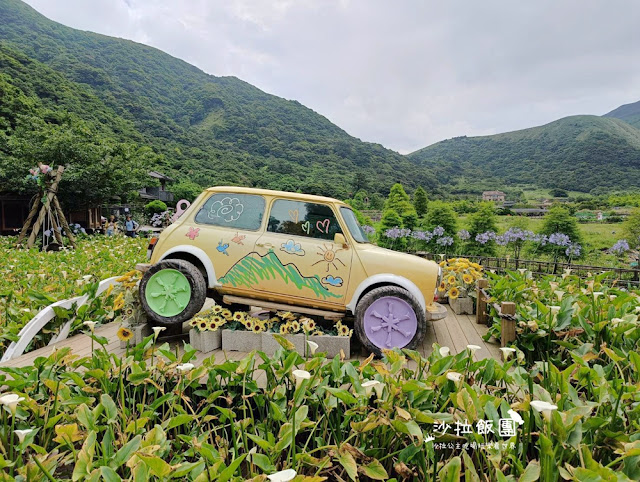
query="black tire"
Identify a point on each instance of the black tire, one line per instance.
(381, 292)
(196, 282)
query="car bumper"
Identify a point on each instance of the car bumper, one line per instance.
(436, 311)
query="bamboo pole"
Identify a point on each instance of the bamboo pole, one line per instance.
(46, 206)
(64, 223)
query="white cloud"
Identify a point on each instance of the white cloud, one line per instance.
(404, 74)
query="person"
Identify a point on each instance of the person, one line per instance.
(131, 227)
(111, 226)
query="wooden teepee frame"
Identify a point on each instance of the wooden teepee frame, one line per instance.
(48, 205)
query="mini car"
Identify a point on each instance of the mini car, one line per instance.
(288, 251)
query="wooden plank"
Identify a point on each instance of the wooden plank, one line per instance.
(329, 315)
(458, 336)
(473, 337)
(443, 338)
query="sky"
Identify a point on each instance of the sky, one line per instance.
(404, 73)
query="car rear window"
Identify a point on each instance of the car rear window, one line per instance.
(303, 219)
(237, 211)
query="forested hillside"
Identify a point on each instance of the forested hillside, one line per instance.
(629, 113)
(209, 129)
(578, 153)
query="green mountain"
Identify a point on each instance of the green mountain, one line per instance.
(628, 112)
(254, 268)
(578, 153)
(211, 130)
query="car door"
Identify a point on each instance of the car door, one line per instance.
(227, 227)
(298, 256)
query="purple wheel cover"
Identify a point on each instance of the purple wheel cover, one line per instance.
(390, 322)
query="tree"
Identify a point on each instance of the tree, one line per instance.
(632, 228)
(186, 189)
(560, 220)
(398, 201)
(482, 221)
(420, 201)
(440, 213)
(390, 219)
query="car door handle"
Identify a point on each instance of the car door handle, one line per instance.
(264, 245)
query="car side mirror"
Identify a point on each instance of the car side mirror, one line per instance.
(339, 238)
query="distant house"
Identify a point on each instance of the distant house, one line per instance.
(157, 192)
(495, 196)
(529, 211)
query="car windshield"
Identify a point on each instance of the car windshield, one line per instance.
(354, 226)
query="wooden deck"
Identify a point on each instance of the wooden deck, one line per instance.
(454, 331)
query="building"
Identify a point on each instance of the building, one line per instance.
(495, 196)
(157, 192)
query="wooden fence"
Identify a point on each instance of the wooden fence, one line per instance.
(622, 276)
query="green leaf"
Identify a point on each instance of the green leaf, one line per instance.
(158, 466)
(343, 395)
(531, 473)
(263, 462)
(86, 417)
(179, 420)
(125, 452)
(110, 408)
(227, 473)
(349, 464)
(374, 470)
(109, 475)
(451, 471)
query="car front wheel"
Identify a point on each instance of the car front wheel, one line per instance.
(389, 317)
(172, 291)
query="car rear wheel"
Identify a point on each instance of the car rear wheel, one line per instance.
(389, 317)
(172, 291)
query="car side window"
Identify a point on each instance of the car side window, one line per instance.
(238, 211)
(303, 219)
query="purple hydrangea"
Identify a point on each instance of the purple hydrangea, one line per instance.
(463, 234)
(484, 238)
(559, 239)
(573, 251)
(445, 241)
(438, 231)
(421, 235)
(621, 247)
(393, 233)
(368, 229)
(404, 233)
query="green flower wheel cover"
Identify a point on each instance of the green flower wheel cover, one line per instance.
(168, 292)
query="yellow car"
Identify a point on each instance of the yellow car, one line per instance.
(288, 251)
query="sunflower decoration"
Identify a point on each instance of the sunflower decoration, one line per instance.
(308, 324)
(217, 309)
(443, 287)
(226, 314)
(286, 315)
(248, 323)
(295, 326)
(453, 293)
(451, 279)
(239, 316)
(343, 330)
(467, 278)
(118, 303)
(193, 322)
(203, 324)
(258, 328)
(284, 329)
(212, 325)
(124, 334)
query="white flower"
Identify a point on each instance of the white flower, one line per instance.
(473, 348)
(507, 351)
(185, 367)
(11, 400)
(637, 309)
(597, 294)
(617, 321)
(612, 297)
(22, 434)
(313, 346)
(300, 376)
(444, 351)
(283, 476)
(553, 285)
(157, 330)
(522, 270)
(541, 406)
(454, 376)
(515, 416)
(90, 324)
(373, 385)
(559, 294)
(554, 310)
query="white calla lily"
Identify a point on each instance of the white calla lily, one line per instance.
(473, 348)
(90, 324)
(11, 401)
(185, 367)
(157, 330)
(507, 351)
(454, 376)
(515, 416)
(313, 346)
(371, 385)
(22, 434)
(300, 376)
(283, 476)
(542, 406)
(444, 351)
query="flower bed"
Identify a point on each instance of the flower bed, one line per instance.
(31, 279)
(319, 418)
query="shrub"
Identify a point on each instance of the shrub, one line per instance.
(155, 207)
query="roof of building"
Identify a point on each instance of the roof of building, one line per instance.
(159, 175)
(495, 193)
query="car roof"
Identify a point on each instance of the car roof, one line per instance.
(269, 192)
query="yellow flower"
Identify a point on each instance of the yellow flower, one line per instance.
(124, 333)
(343, 330)
(126, 276)
(118, 303)
(203, 324)
(257, 328)
(218, 319)
(442, 287)
(212, 325)
(451, 280)
(286, 315)
(453, 293)
(239, 316)
(216, 309)
(248, 323)
(193, 322)
(295, 326)
(226, 313)
(467, 278)
(284, 329)
(109, 290)
(308, 324)
(442, 264)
